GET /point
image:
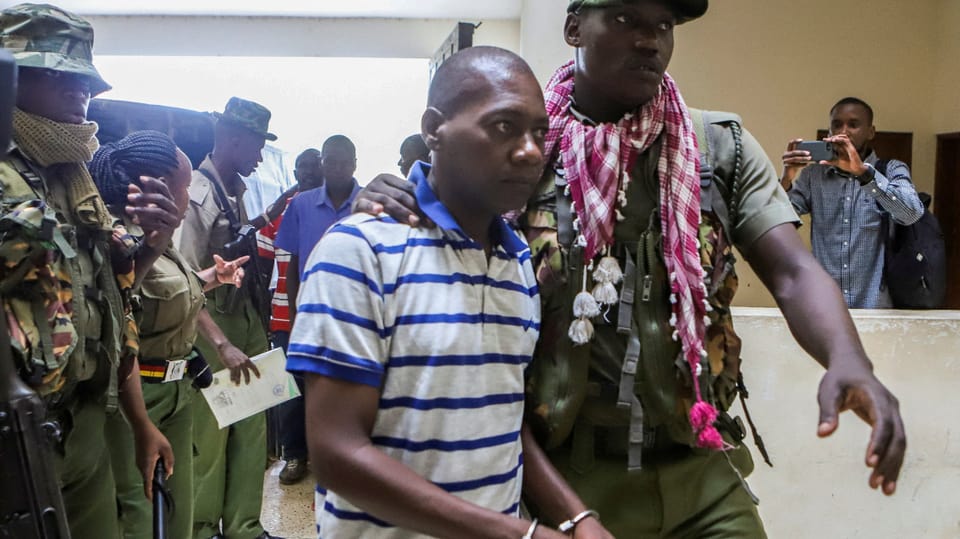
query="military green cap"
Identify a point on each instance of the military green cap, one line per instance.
(45, 36)
(249, 115)
(686, 10)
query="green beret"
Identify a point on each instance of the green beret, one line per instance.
(686, 10)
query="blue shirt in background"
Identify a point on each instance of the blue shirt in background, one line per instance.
(309, 215)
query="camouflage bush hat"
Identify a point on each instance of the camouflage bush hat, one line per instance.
(45, 36)
(249, 115)
(686, 10)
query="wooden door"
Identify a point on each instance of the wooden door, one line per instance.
(946, 201)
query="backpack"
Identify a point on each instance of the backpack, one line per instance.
(915, 258)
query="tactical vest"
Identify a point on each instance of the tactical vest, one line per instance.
(625, 378)
(44, 277)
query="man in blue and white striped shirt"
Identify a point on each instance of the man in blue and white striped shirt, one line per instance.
(846, 199)
(414, 341)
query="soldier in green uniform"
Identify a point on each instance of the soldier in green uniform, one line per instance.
(171, 297)
(631, 233)
(67, 268)
(228, 478)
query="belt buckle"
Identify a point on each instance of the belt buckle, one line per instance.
(175, 370)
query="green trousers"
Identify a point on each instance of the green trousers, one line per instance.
(692, 494)
(86, 479)
(170, 408)
(230, 463)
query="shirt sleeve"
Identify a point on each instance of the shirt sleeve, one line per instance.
(339, 330)
(192, 238)
(287, 237)
(761, 203)
(896, 194)
(799, 192)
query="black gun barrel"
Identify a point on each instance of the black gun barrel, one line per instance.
(160, 501)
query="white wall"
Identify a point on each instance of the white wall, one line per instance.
(541, 36)
(276, 36)
(818, 488)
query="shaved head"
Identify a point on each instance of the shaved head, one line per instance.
(470, 74)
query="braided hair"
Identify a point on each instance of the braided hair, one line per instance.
(118, 164)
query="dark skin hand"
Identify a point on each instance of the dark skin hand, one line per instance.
(232, 357)
(847, 159)
(821, 324)
(153, 208)
(394, 196)
(150, 444)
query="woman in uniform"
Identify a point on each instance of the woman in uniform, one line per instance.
(170, 297)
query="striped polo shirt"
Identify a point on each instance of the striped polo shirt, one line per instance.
(444, 331)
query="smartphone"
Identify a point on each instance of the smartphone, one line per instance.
(819, 150)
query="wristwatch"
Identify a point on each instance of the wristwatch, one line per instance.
(867, 176)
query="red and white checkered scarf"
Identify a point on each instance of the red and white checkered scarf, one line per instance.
(596, 159)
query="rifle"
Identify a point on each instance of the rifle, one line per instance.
(31, 506)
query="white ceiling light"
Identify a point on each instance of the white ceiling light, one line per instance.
(407, 9)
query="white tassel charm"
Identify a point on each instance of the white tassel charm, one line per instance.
(585, 306)
(605, 293)
(581, 331)
(608, 271)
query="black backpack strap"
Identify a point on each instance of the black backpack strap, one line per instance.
(222, 201)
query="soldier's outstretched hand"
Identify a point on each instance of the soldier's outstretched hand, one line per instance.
(857, 389)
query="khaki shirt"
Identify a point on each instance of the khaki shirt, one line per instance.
(205, 228)
(171, 298)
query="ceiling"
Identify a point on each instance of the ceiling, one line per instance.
(407, 9)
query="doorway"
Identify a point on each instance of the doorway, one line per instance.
(946, 201)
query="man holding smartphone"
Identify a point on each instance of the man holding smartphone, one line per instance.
(846, 197)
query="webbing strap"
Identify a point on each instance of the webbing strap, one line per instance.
(566, 235)
(627, 294)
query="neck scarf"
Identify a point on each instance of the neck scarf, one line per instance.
(597, 161)
(68, 147)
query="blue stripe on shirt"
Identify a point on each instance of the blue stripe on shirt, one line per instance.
(343, 316)
(457, 360)
(445, 445)
(453, 278)
(445, 403)
(490, 480)
(463, 318)
(342, 271)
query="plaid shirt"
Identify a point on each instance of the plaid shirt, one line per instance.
(846, 224)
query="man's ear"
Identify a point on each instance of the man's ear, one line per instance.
(871, 133)
(431, 127)
(571, 30)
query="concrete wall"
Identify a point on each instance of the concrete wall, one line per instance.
(818, 488)
(279, 36)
